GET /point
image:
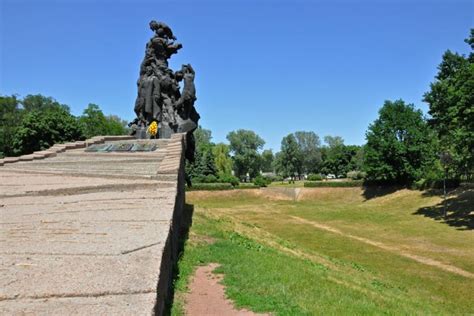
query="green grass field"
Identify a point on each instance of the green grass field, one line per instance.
(334, 251)
(286, 184)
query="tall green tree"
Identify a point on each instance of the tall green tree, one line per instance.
(451, 106)
(354, 154)
(310, 152)
(202, 136)
(38, 102)
(205, 162)
(336, 156)
(222, 160)
(203, 165)
(288, 160)
(400, 145)
(334, 141)
(307, 155)
(115, 125)
(267, 160)
(93, 121)
(244, 145)
(10, 117)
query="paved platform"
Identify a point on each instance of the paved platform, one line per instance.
(89, 232)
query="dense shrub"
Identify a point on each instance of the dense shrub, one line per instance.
(356, 175)
(314, 177)
(332, 184)
(198, 179)
(229, 179)
(210, 187)
(205, 179)
(210, 178)
(40, 129)
(261, 181)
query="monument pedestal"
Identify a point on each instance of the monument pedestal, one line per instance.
(164, 131)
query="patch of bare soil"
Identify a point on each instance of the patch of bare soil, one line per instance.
(207, 295)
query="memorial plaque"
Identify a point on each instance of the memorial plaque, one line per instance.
(144, 147)
(121, 147)
(99, 148)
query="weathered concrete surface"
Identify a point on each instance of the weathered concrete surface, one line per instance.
(90, 233)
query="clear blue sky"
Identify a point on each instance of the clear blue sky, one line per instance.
(271, 66)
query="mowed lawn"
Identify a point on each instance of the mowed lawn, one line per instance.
(334, 250)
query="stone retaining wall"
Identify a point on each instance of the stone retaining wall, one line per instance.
(91, 233)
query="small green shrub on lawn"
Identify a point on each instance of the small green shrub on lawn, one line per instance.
(314, 177)
(261, 181)
(229, 179)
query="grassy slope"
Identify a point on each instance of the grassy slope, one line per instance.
(276, 260)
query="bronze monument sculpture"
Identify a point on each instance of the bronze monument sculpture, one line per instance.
(159, 97)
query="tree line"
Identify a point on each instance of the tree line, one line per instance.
(37, 122)
(403, 145)
(302, 153)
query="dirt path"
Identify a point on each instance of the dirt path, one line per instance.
(207, 295)
(420, 259)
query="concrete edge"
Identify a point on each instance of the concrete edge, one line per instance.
(171, 250)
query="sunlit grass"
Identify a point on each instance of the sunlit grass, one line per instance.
(331, 252)
(286, 184)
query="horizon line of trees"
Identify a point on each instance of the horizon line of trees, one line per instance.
(403, 145)
(302, 153)
(37, 122)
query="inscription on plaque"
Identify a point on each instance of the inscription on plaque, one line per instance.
(143, 147)
(98, 148)
(123, 147)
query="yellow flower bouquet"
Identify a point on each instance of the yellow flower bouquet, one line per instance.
(153, 129)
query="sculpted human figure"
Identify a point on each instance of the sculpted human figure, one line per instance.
(147, 105)
(160, 47)
(188, 96)
(159, 97)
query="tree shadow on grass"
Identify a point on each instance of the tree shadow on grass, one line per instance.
(375, 191)
(460, 209)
